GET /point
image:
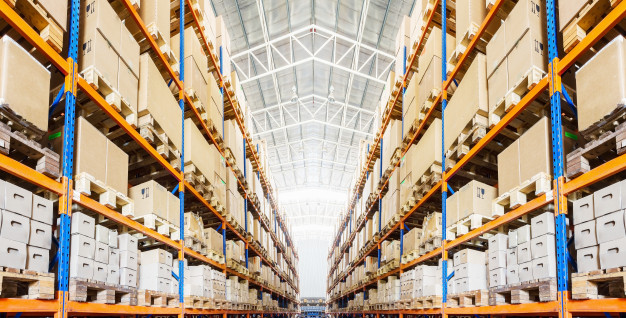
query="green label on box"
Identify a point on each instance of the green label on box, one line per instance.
(55, 135)
(571, 136)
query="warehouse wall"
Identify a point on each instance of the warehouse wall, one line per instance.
(313, 266)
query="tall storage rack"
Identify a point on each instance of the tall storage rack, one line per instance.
(564, 306)
(61, 306)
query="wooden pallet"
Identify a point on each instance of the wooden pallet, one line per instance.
(197, 302)
(603, 147)
(473, 132)
(540, 290)
(427, 302)
(159, 38)
(430, 244)
(410, 256)
(467, 224)
(473, 298)
(150, 130)
(199, 182)
(26, 284)
(111, 94)
(195, 244)
(539, 184)
(586, 19)
(524, 84)
(84, 290)
(15, 142)
(155, 222)
(87, 185)
(218, 257)
(152, 298)
(604, 283)
(37, 16)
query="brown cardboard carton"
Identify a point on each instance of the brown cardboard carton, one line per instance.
(469, 99)
(498, 84)
(528, 54)
(508, 168)
(452, 209)
(24, 83)
(430, 83)
(173, 208)
(197, 149)
(128, 88)
(129, 50)
(433, 48)
(469, 17)
(98, 15)
(192, 48)
(496, 48)
(535, 150)
(569, 11)
(215, 109)
(155, 15)
(149, 198)
(222, 38)
(475, 198)
(428, 148)
(57, 10)
(116, 168)
(95, 52)
(598, 96)
(156, 99)
(527, 15)
(91, 149)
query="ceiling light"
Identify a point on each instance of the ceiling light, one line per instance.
(331, 97)
(294, 95)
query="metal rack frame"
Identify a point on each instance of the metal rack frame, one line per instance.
(61, 307)
(564, 306)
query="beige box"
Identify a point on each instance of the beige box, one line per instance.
(128, 87)
(95, 52)
(529, 54)
(24, 83)
(173, 209)
(98, 15)
(429, 148)
(156, 99)
(527, 15)
(568, 12)
(129, 50)
(193, 48)
(149, 198)
(475, 198)
(508, 168)
(535, 150)
(155, 15)
(496, 48)
(498, 83)
(430, 82)
(196, 150)
(599, 96)
(90, 145)
(452, 209)
(433, 48)
(57, 10)
(117, 168)
(469, 99)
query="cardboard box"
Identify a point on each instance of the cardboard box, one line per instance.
(149, 198)
(609, 227)
(535, 150)
(508, 168)
(496, 48)
(497, 259)
(583, 210)
(81, 267)
(155, 15)
(511, 256)
(38, 259)
(197, 150)
(525, 271)
(476, 198)
(128, 259)
(569, 12)
(429, 147)
(102, 234)
(127, 242)
(528, 16)
(128, 87)
(40, 235)
(99, 43)
(523, 234)
(498, 242)
(100, 271)
(585, 234)
(114, 256)
(12, 253)
(598, 98)
(173, 209)
(432, 48)
(452, 209)
(587, 259)
(156, 99)
(129, 51)
(523, 253)
(512, 274)
(470, 15)
(42, 209)
(15, 227)
(613, 254)
(128, 277)
(512, 236)
(544, 267)
(609, 199)
(82, 246)
(17, 200)
(542, 224)
(469, 256)
(430, 81)
(116, 168)
(497, 277)
(90, 152)
(543, 245)
(102, 253)
(99, 16)
(83, 224)
(113, 274)
(469, 99)
(498, 83)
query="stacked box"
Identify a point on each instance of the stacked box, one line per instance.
(474, 198)
(471, 14)
(214, 240)
(498, 260)
(543, 245)
(155, 15)
(24, 84)
(427, 281)
(196, 71)
(26, 231)
(429, 74)
(153, 201)
(83, 247)
(518, 241)
(155, 270)
(470, 271)
(222, 44)
(109, 53)
(599, 229)
(127, 245)
(412, 240)
(403, 46)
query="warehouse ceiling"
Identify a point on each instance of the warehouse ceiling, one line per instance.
(312, 72)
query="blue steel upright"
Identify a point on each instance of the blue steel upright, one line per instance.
(245, 202)
(181, 187)
(444, 184)
(560, 201)
(68, 158)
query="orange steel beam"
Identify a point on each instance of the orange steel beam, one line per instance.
(14, 305)
(83, 308)
(605, 170)
(530, 308)
(24, 172)
(613, 305)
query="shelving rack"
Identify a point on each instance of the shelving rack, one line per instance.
(61, 306)
(564, 306)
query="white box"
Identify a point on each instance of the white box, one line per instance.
(467, 269)
(607, 200)
(587, 259)
(523, 253)
(512, 238)
(148, 282)
(470, 256)
(544, 267)
(585, 234)
(128, 260)
(542, 224)
(128, 277)
(40, 234)
(38, 259)
(497, 259)
(158, 255)
(102, 234)
(127, 242)
(102, 253)
(113, 274)
(42, 210)
(83, 224)
(525, 271)
(583, 210)
(543, 246)
(154, 270)
(15, 227)
(114, 256)
(18, 200)
(113, 238)
(174, 287)
(498, 242)
(523, 234)
(511, 256)
(512, 274)
(613, 254)
(12, 253)
(497, 277)
(82, 246)
(610, 227)
(100, 271)
(81, 267)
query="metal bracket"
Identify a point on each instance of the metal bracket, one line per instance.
(71, 80)
(554, 77)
